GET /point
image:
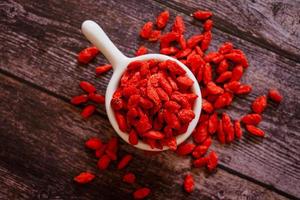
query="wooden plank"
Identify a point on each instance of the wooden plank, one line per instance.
(42, 149)
(273, 25)
(30, 50)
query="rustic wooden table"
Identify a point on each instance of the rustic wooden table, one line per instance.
(42, 135)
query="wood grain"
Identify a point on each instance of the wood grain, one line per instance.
(40, 41)
(42, 149)
(273, 25)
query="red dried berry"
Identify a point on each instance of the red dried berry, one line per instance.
(213, 89)
(200, 162)
(222, 67)
(207, 26)
(141, 51)
(169, 50)
(255, 131)
(121, 120)
(79, 99)
(228, 127)
(186, 115)
(88, 111)
(162, 19)
(87, 87)
(237, 73)
(133, 137)
(86, 55)
(207, 36)
(207, 74)
(141, 193)
(237, 129)
(178, 25)
(156, 135)
(199, 151)
(251, 119)
(154, 36)
(189, 184)
(202, 15)
(102, 69)
(146, 30)
(212, 161)
(194, 40)
(84, 177)
(93, 143)
(274, 95)
(129, 178)
(244, 89)
(97, 98)
(259, 104)
(225, 76)
(207, 106)
(103, 162)
(225, 48)
(185, 149)
(124, 161)
(182, 42)
(213, 123)
(200, 134)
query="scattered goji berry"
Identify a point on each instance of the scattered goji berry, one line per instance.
(185, 149)
(141, 193)
(103, 162)
(97, 98)
(88, 111)
(84, 177)
(251, 119)
(213, 123)
(255, 131)
(237, 129)
(87, 87)
(102, 69)
(274, 95)
(87, 54)
(162, 19)
(212, 161)
(178, 25)
(200, 162)
(202, 15)
(141, 51)
(124, 161)
(93, 143)
(189, 184)
(207, 26)
(259, 104)
(146, 30)
(129, 178)
(79, 99)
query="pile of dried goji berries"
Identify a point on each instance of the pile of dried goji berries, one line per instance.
(218, 74)
(154, 102)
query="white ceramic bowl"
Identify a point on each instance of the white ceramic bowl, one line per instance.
(119, 62)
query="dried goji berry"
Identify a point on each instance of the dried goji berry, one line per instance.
(170, 142)
(225, 48)
(207, 25)
(228, 127)
(124, 161)
(146, 30)
(156, 135)
(97, 98)
(251, 119)
(183, 53)
(141, 51)
(200, 134)
(213, 89)
(154, 36)
(237, 129)
(274, 95)
(207, 106)
(88, 111)
(212, 161)
(178, 25)
(141, 193)
(259, 104)
(103, 162)
(121, 120)
(102, 69)
(189, 184)
(255, 131)
(237, 73)
(222, 67)
(199, 151)
(129, 178)
(213, 123)
(169, 50)
(207, 36)
(87, 54)
(232, 86)
(244, 89)
(194, 40)
(207, 74)
(93, 143)
(200, 162)
(225, 76)
(133, 137)
(84, 177)
(162, 19)
(182, 42)
(79, 99)
(87, 87)
(186, 115)
(184, 82)
(223, 100)
(185, 149)
(202, 15)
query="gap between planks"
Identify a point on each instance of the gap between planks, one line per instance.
(221, 166)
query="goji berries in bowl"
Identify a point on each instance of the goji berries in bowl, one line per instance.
(152, 87)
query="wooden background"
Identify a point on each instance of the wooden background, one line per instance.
(42, 135)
